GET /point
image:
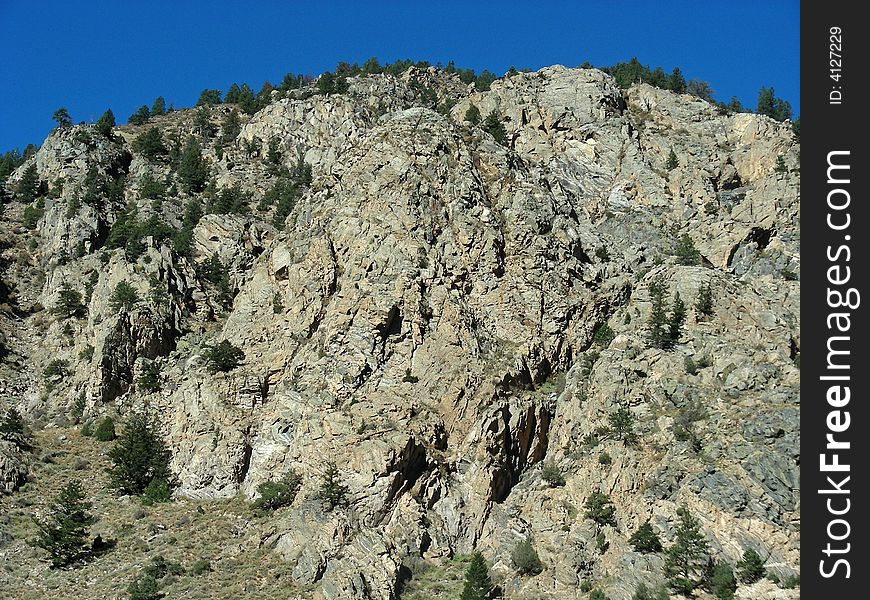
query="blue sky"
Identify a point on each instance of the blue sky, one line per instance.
(89, 56)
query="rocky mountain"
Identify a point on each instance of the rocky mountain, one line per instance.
(461, 326)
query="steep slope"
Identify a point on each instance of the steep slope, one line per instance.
(426, 319)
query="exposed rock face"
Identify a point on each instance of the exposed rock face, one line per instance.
(425, 319)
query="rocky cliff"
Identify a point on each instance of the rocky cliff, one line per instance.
(426, 318)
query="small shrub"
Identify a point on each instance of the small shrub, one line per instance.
(602, 253)
(472, 115)
(780, 165)
(525, 558)
(704, 301)
(277, 304)
(597, 595)
(494, 126)
(672, 161)
(603, 335)
(144, 587)
(149, 380)
(408, 378)
(722, 582)
(552, 474)
(69, 305)
(275, 494)
(105, 431)
(604, 459)
(56, 368)
(200, 566)
(622, 425)
(157, 491)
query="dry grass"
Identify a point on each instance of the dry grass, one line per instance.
(225, 533)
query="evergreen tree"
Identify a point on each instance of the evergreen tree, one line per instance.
(150, 144)
(69, 304)
(658, 334)
(676, 82)
(12, 429)
(493, 125)
(65, 533)
(209, 97)
(704, 301)
(687, 253)
(158, 107)
(275, 494)
(28, 185)
(332, 490)
(796, 128)
(600, 509)
(622, 425)
(780, 166)
(477, 584)
(483, 81)
(230, 127)
(700, 89)
(678, 317)
(672, 161)
(687, 557)
(645, 539)
(61, 116)
(138, 457)
(105, 431)
(751, 567)
(140, 117)
(202, 122)
(525, 558)
(144, 587)
(124, 297)
(232, 95)
(722, 582)
(223, 357)
(735, 106)
(192, 167)
(106, 123)
(246, 100)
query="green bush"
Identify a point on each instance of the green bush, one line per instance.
(69, 304)
(552, 474)
(209, 97)
(223, 357)
(200, 566)
(600, 509)
(58, 367)
(32, 213)
(275, 494)
(144, 587)
(140, 117)
(645, 539)
(157, 491)
(672, 161)
(644, 592)
(603, 335)
(105, 431)
(525, 558)
(780, 166)
(28, 185)
(597, 595)
(149, 379)
(704, 301)
(622, 425)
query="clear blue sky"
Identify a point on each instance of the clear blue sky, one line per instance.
(89, 56)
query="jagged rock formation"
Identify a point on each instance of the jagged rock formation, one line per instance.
(425, 318)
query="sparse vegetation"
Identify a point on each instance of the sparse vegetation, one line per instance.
(332, 490)
(552, 474)
(275, 494)
(223, 357)
(600, 509)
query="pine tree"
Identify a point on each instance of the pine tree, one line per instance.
(106, 123)
(672, 161)
(493, 125)
(158, 107)
(687, 556)
(658, 334)
(472, 115)
(150, 144)
(232, 95)
(138, 457)
(192, 167)
(645, 539)
(69, 304)
(224, 357)
(28, 184)
(751, 567)
(687, 253)
(332, 490)
(124, 297)
(209, 97)
(105, 431)
(140, 117)
(64, 534)
(678, 317)
(676, 82)
(600, 509)
(477, 581)
(622, 425)
(704, 301)
(61, 116)
(722, 582)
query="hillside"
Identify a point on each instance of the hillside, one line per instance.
(445, 315)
